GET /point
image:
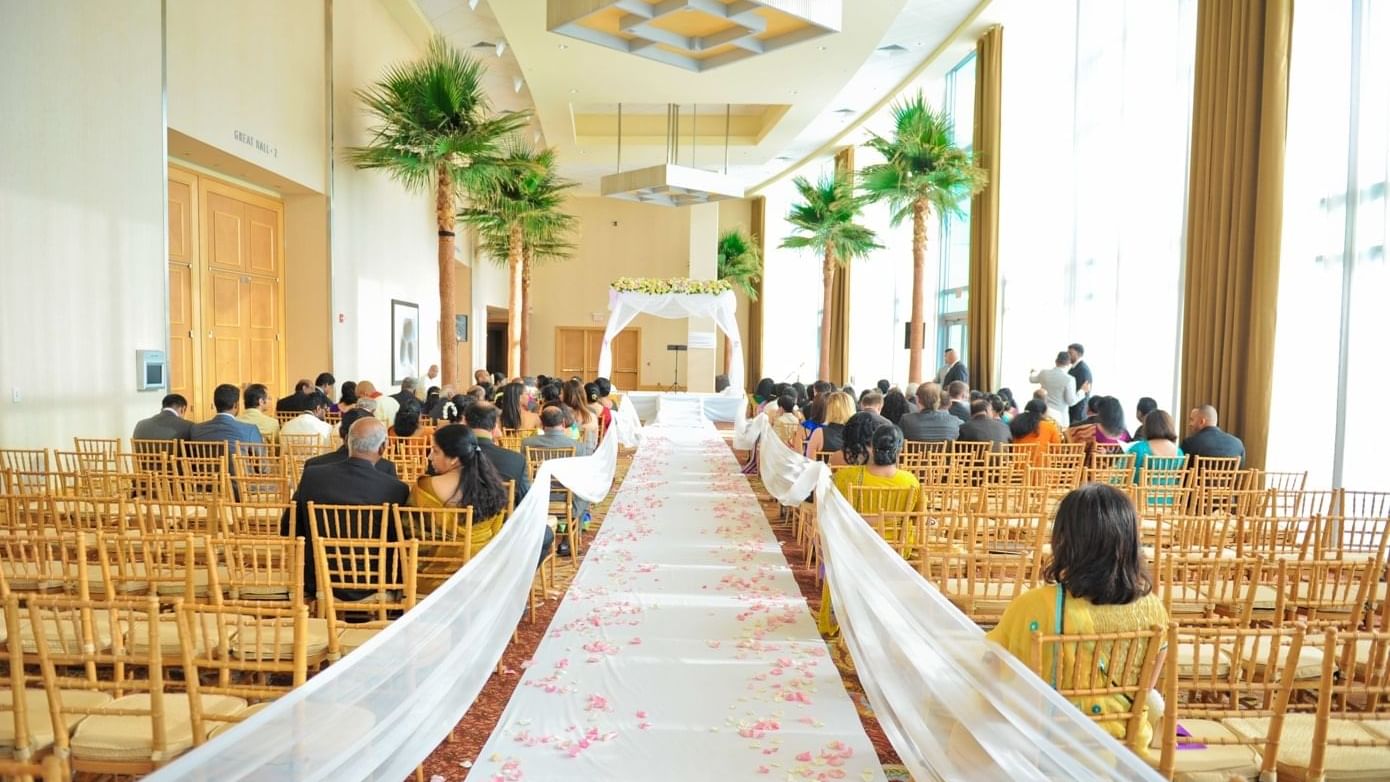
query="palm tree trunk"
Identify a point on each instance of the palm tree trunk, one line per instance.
(525, 311)
(919, 270)
(514, 303)
(826, 321)
(444, 217)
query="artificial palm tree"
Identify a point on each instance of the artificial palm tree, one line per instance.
(519, 217)
(435, 130)
(923, 168)
(824, 221)
(741, 265)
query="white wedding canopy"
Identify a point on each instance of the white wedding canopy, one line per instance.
(624, 306)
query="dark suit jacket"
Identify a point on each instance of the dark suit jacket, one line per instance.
(163, 426)
(290, 404)
(1082, 372)
(348, 482)
(957, 372)
(383, 466)
(1214, 442)
(931, 426)
(985, 430)
(510, 465)
(960, 410)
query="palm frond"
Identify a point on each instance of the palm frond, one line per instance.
(921, 163)
(825, 218)
(740, 262)
(522, 189)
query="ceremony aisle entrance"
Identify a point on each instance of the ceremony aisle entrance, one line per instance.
(684, 649)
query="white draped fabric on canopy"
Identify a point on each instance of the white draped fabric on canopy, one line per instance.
(624, 306)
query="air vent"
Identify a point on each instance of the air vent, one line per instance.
(844, 112)
(484, 45)
(892, 48)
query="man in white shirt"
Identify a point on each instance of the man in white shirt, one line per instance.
(311, 420)
(1060, 387)
(423, 383)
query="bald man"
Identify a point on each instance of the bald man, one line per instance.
(352, 481)
(1205, 438)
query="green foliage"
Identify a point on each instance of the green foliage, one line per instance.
(921, 164)
(434, 113)
(825, 219)
(740, 263)
(528, 193)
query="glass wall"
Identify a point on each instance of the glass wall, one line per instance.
(792, 291)
(1096, 104)
(954, 246)
(1331, 373)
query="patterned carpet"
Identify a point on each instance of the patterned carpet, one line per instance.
(452, 760)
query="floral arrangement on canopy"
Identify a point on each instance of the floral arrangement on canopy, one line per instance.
(678, 285)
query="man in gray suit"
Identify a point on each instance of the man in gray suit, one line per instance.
(224, 426)
(168, 423)
(553, 436)
(932, 424)
(1060, 387)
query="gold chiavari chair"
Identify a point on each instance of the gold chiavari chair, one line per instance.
(1364, 504)
(1065, 456)
(1114, 468)
(561, 504)
(446, 538)
(256, 519)
(1200, 590)
(285, 416)
(411, 456)
(1215, 483)
(25, 460)
(362, 578)
(1325, 592)
(1164, 486)
(99, 450)
(78, 515)
(261, 479)
(44, 562)
(350, 521)
(980, 583)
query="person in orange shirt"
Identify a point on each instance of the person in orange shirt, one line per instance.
(1033, 426)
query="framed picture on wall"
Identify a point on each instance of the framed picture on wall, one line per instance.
(405, 341)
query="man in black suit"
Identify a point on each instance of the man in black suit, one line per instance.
(482, 419)
(294, 403)
(1081, 371)
(352, 481)
(168, 423)
(952, 370)
(983, 426)
(1207, 439)
(959, 394)
(384, 466)
(407, 392)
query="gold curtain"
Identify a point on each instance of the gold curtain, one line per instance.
(839, 326)
(1235, 213)
(757, 225)
(982, 318)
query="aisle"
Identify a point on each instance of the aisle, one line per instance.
(684, 649)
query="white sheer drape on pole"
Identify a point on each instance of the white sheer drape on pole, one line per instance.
(381, 710)
(624, 306)
(953, 705)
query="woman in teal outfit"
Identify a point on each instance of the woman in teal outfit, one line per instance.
(1160, 442)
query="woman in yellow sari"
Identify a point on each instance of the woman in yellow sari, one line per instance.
(1098, 583)
(463, 478)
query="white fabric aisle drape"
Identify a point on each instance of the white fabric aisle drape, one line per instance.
(954, 705)
(684, 649)
(624, 306)
(387, 705)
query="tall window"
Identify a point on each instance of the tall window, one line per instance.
(1330, 370)
(792, 290)
(954, 244)
(1096, 105)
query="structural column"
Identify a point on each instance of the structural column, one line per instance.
(706, 345)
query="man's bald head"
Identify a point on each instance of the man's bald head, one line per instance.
(366, 439)
(1201, 417)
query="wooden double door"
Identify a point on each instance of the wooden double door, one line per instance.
(226, 286)
(577, 351)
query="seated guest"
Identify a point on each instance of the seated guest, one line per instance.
(224, 426)
(1034, 425)
(310, 421)
(813, 413)
(463, 478)
(829, 437)
(407, 392)
(605, 391)
(1207, 439)
(425, 382)
(407, 420)
(1106, 425)
(721, 382)
(347, 397)
(482, 377)
(168, 423)
(351, 481)
(764, 394)
(1010, 406)
(324, 383)
(386, 407)
(883, 386)
(787, 424)
(1146, 405)
(383, 465)
(983, 426)
(514, 414)
(1099, 583)
(1160, 440)
(932, 424)
(959, 395)
(481, 418)
(603, 414)
(879, 467)
(871, 401)
(452, 410)
(894, 406)
(586, 422)
(910, 393)
(431, 399)
(255, 410)
(293, 402)
(857, 440)
(553, 435)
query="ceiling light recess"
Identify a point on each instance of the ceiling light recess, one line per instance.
(697, 35)
(670, 184)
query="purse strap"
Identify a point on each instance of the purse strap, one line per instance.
(1058, 628)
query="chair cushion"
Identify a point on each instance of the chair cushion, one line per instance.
(1266, 597)
(138, 640)
(279, 647)
(1214, 762)
(1188, 599)
(241, 716)
(200, 582)
(1309, 665)
(23, 578)
(121, 737)
(60, 636)
(1296, 748)
(1189, 666)
(351, 637)
(125, 586)
(40, 719)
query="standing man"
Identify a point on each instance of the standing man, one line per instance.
(1082, 374)
(1060, 387)
(952, 370)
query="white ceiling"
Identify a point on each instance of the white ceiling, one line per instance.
(828, 83)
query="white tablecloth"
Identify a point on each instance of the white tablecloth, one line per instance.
(683, 650)
(718, 407)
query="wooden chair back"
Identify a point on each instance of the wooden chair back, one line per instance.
(256, 519)
(350, 521)
(257, 569)
(1325, 592)
(535, 457)
(370, 578)
(445, 536)
(261, 479)
(1115, 469)
(47, 562)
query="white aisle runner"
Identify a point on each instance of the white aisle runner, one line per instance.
(684, 649)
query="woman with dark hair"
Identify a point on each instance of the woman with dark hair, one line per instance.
(407, 421)
(1099, 582)
(513, 412)
(1034, 425)
(879, 453)
(1010, 406)
(593, 396)
(1106, 428)
(813, 415)
(605, 390)
(347, 397)
(764, 393)
(894, 405)
(1141, 411)
(453, 410)
(1160, 441)
(463, 478)
(787, 424)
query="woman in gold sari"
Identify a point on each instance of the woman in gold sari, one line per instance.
(463, 478)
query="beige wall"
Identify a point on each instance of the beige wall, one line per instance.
(615, 239)
(308, 302)
(252, 69)
(81, 217)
